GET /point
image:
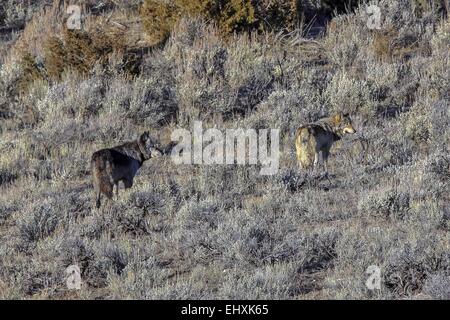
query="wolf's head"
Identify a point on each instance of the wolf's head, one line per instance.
(148, 146)
(343, 124)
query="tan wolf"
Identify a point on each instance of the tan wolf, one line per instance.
(316, 138)
(120, 163)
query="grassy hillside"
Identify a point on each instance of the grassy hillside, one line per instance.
(207, 232)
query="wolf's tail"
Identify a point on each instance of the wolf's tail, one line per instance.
(305, 156)
(102, 178)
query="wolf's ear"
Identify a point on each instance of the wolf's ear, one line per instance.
(337, 118)
(145, 136)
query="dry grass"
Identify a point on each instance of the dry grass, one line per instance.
(216, 232)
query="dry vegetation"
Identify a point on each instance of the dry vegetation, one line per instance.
(212, 232)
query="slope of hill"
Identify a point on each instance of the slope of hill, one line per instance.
(207, 232)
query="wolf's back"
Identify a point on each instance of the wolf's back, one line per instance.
(305, 154)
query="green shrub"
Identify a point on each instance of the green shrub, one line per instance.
(55, 54)
(159, 17)
(346, 94)
(385, 203)
(80, 51)
(30, 72)
(441, 39)
(418, 124)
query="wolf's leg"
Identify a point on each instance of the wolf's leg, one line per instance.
(117, 189)
(108, 205)
(128, 183)
(97, 202)
(298, 156)
(109, 192)
(325, 155)
(316, 161)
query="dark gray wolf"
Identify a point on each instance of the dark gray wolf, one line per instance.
(120, 163)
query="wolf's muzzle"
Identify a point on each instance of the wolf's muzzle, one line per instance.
(349, 130)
